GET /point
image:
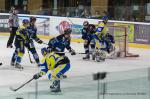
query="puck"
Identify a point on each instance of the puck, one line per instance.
(1, 64)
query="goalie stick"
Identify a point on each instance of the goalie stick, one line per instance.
(15, 89)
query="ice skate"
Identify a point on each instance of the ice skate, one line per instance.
(93, 56)
(18, 66)
(100, 55)
(87, 57)
(55, 87)
(9, 46)
(12, 64)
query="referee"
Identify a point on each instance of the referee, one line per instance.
(13, 26)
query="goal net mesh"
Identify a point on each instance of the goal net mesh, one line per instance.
(120, 34)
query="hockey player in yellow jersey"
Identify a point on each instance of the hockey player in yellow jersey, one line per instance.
(56, 66)
(99, 36)
(101, 30)
(103, 39)
(20, 40)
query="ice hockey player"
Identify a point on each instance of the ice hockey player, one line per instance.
(20, 40)
(56, 66)
(59, 43)
(33, 36)
(87, 32)
(103, 36)
(101, 43)
(109, 40)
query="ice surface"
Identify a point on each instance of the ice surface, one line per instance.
(79, 84)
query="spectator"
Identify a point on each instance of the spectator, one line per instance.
(80, 9)
(42, 11)
(133, 18)
(97, 15)
(76, 12)
(24, 11)
(85, 14)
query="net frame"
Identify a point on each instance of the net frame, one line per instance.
(124, 35)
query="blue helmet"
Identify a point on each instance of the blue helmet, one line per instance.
(25, 21)
(44, 51)
(105, 18)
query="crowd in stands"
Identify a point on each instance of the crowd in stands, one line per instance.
(76, 12)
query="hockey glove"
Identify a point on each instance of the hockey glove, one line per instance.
(37, 76)
(40, 41)
(72, 52)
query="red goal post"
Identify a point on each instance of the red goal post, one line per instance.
(120, 34)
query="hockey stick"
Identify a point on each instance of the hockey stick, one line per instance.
(45, 43)
(81, 53)
(68, 52)
(15, 89)
(120, 36)
(30, 58)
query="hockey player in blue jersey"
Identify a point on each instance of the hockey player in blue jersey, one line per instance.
(59, 43)
(33, 36)
(20, 40)
(87, 32)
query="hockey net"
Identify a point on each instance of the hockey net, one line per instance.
(121, 37)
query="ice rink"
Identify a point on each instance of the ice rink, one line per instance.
(126, 78)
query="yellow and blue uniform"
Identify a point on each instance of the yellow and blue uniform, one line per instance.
(101, 30)
(20, 40)
(55, 65)
(100, 34)
(103, 39)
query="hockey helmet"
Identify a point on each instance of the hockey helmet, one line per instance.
(32, 19)
(105, 18)
(85, 23)
(68, 31)
(25, 21)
